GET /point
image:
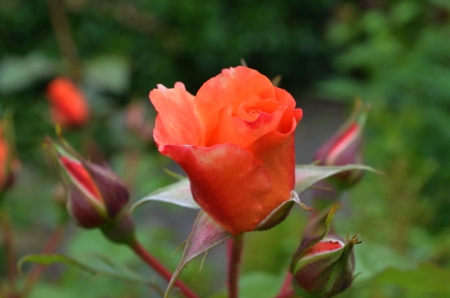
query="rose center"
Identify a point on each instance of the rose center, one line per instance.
(253, 107)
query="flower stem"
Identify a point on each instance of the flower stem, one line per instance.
(156, 265)
(50, 247)
(288, 294)
(64, 37)
(235, 247)
(9, 248)
(286, 289)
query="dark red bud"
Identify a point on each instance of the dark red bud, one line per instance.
(82, 211)
(326, 268)
(344, 147)
(96, 195)
(9, 164)
(111, 187)
(136, 121)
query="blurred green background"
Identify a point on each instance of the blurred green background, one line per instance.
(395, 55)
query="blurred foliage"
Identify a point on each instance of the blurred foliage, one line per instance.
(127, 47)
(394, 54)
(397, 56)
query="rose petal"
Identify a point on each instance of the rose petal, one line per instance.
(226, 182)
(344, 141)
(276, 152)
(232, 87)
(82, 211)
(287, 99)
(79, 176)
(113, 189)
(176, 123)
(242, 132)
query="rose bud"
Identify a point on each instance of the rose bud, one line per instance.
(136, 121)
(69, 108)
(9, 164)
(235, 141)
(323, 265)
(326, 268)
(344, 147)
(4, 160)
(95, 195)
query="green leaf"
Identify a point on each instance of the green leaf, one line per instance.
(372, 259)
(17, 73)
(178, 193)
(427, 278)
(94, 264)
(260, 284)
(308, 175)
(205, 235)
(109, 73)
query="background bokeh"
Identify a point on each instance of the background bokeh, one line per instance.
(395, 55)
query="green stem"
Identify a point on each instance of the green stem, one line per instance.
(64, 37)
(235, 248)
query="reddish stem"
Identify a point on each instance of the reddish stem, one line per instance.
(289, 294)
(9, 248)
(156, 265)
(286, 289)
(235, 247)
(49, 247)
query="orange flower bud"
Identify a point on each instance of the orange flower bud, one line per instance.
(68, 104)
(235, 141)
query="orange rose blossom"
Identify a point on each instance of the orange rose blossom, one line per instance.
(234, 140)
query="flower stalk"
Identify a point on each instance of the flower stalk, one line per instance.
(64, 37)
(156, 265)
(51, 245)
(10, 249)
(286, 290)
(235, 248)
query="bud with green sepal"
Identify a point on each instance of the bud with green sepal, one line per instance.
(9, 164)
(344, 147)
(96, 197)
(324, 263)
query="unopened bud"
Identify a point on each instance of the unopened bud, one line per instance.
(136, 121)
(326, 268)
(69, 107)
(324, 263)
(9, 164)
(344, 147)
(96, 195)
